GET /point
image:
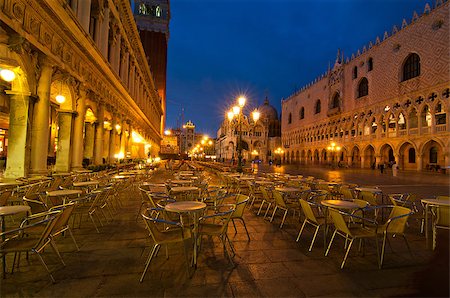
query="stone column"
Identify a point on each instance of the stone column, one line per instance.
(363, 161)
(64, 152)
(84, 14)
(98, 145)
(419, 161)
(78, 127)
(112, 140)
(123, 138)
(117, 57)
(89, 141)
(105, 154)
(16, 165)
(39, 127)
(128, 142)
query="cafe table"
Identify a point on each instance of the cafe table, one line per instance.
(180, 189)
(5, 211)
(427, 204)
(63, 193)
(181, 182)
(193, 208)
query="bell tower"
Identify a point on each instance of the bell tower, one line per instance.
(152, 19)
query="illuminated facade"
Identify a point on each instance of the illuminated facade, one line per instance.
(388, 103)
(90, 52)
(261, 137)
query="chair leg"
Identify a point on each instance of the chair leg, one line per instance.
(267, 210)
(55, 249)
(45, 265)
(284, 218)
(301, 230)
(245, 227)
(346, 253)
(273, 213)
(149, 259)
(407, 245)
(314, 238)
(383, 248)
(331, 242)
(73, 238)
(234, 225)
(260, 207)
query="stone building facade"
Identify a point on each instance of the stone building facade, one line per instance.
(387, 103)
(90, 52)
(261, 137)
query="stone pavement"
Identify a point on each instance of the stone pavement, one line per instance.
(271, 264)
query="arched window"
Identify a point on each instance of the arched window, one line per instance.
(317, 107)
(440, 114)
(363, 87)
(433, 155)
(411, 67)
(413, 120)
(425, 117)
(302, 113)
(335, 102)
(369, 64)
(290, 118)
(412, 155)
(401, 122)
(355, 72)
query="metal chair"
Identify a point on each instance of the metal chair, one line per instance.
(310, 218)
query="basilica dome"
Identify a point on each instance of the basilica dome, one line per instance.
(268, 111)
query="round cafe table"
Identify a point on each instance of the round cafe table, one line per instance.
(85, 183)
(10, 210)
(181, 182)
(190, 207)
(178, 189)
(64, 193)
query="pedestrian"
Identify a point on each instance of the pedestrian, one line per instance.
(382, 168)
(394, 170)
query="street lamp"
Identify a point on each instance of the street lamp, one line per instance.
(279, 152)
(333, 148)
(236, 112)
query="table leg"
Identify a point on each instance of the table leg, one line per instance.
(3, 239)
(426, 225)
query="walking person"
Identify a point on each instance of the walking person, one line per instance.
(381, 168)
(394, 170)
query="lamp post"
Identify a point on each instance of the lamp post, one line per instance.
(236, 112)
(333, 148)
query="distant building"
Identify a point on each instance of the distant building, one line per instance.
(387, 103)
(152, 19)
(261, 138)
(188, 140)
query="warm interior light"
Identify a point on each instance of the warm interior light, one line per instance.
(203, 142)
(136, 137)
(118, 127)
(256, 114)
(167, 132)
(210, 143)
(241, 101)
(236, 110)
(7, 75)
(60, 98)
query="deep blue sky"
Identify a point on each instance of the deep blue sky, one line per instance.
(221, 48)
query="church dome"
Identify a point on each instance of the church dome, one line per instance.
(268, 111)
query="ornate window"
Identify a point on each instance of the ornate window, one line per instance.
(335, 102)
(302, 113)
(440, 114)
(411, 67)
(370, 64)
(355, 72)
(317, 107)
(363, 87)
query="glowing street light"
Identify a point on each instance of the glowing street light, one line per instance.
(237, 112)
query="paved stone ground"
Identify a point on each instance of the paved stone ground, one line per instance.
(271, 264)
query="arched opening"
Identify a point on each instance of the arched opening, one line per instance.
(413, 122)
(425, 120)
(369, 157)
(440, 117)
(433, 155)
(316, 157)
(363, 87)
(407, 157)
(387, 154)
(317, 107)
(356, 158)
(411, 67)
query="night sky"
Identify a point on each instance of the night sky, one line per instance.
(219, 49)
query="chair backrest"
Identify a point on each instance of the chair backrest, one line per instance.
(442, 216)
(4, 196)
(397, 220)
(308, 211)
(265, 193)
(278, 197)
(339, 222)
(36, 203)
(368, 197)
(49, 223)
(347, 193)
(241, 202)
(63, 219)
